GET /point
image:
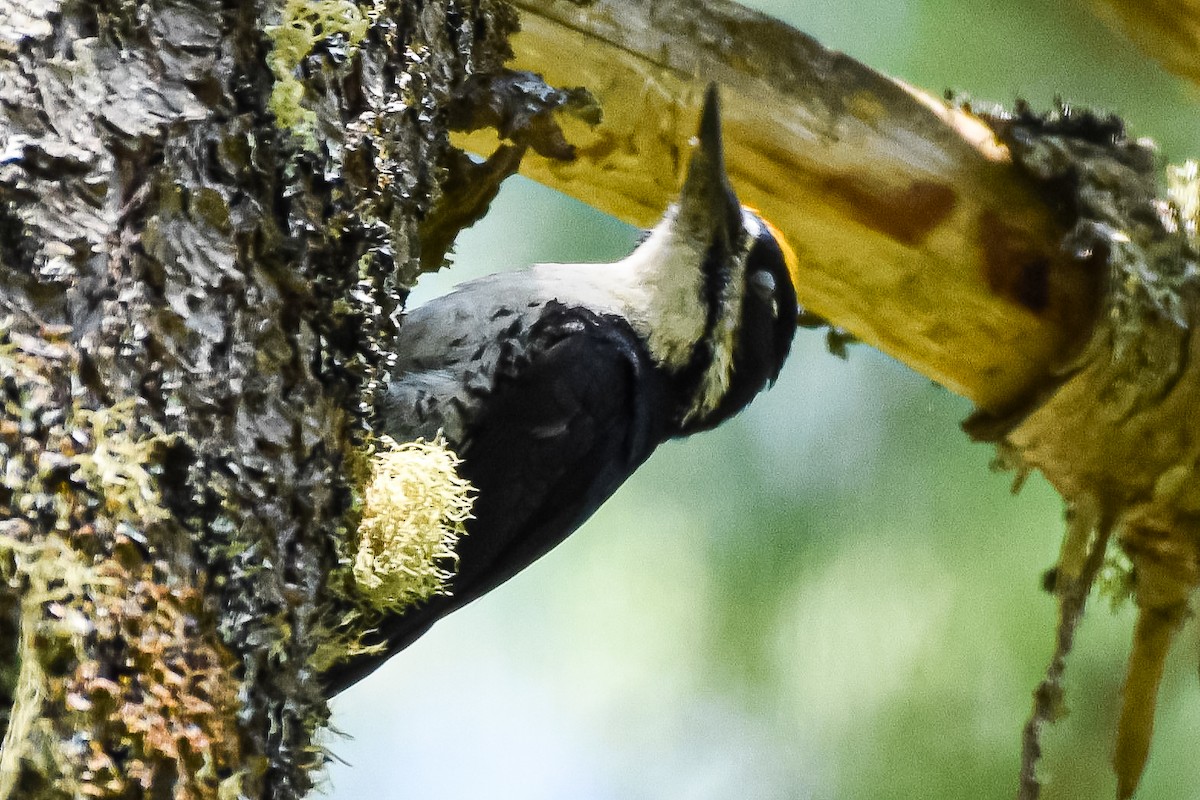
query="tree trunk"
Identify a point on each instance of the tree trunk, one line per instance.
(209, 212)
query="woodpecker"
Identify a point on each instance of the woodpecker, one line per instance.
(555, 384)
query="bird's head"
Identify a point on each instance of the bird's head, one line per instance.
(723, 281)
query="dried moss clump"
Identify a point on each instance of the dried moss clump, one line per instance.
(117, 684)
(414, 509)
(1114, 433)
(171, 708)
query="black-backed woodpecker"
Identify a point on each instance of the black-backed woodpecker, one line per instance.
(555, 384)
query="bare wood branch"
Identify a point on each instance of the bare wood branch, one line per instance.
(919, 233)
(898, 205)
(1168, 30)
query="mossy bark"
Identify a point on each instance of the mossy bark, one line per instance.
(1113, 430)
(209, 215)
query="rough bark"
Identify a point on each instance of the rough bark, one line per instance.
(208, 213)
(1114, 434)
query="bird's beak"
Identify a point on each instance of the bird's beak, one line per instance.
(708, 209)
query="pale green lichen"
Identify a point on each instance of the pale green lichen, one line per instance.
(168, 706)
(1183, 189)
(1116, 580)
(305, 23)
(45, 572)
(414, 508)
(114, 468)
(112, 686)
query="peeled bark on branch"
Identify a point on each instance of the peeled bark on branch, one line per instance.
(1168, 30)
(1028, 262)
(899, 206)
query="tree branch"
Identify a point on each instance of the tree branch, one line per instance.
(1168, 30)
(1026, 261)
(898, 205)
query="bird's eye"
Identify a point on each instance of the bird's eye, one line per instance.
(763, 284)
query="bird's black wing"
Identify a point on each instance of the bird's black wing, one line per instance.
(557, 436)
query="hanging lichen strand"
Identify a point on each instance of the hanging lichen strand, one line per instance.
(1112, 430)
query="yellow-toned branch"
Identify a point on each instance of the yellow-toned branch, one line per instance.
(914, 230)
(1168, 30)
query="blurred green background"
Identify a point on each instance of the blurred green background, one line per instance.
(831, 596)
